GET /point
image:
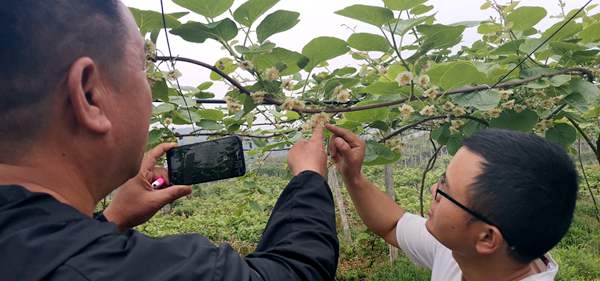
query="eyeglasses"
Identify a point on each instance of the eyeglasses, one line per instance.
(438, 190)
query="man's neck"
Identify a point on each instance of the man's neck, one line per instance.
(492, 268)
(59, 181)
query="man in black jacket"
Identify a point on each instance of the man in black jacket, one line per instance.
(74, 115)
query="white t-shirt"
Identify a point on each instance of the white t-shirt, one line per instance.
(424, 250)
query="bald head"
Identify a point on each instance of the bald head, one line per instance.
(40, 41)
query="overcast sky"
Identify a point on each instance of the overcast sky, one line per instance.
(318, 19)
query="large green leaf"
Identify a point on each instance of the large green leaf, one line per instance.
(567, 31)
(400, 5)
(455, 74)
(524, 18)
(163, 108)
(383, 88)
(562, 134)
(484, 100)
(149, 21)
(207, 8)
(439, 36)
(368, 42)
(211, 114)
(276, 22)
(520, 121)
(591, 33)
(587, 90)
(454, 143)
(367, 116)
(376, 16)
(289, 58)
(322, 49)
(160, 91)
(378, 154)
(196, 32)
(248, 12)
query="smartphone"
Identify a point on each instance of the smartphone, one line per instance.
(206, 161)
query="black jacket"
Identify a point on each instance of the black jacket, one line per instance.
(43, 239)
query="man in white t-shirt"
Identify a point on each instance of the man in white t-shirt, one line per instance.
(505, 200)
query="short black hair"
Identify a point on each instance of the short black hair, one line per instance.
(40, 41)
(527, 187)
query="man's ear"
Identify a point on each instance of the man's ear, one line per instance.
(489, 240)
(87, 99)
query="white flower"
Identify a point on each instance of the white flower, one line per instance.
(404, 78)
(288, 85)
(424, 81)
(150, 50)
(307, 127)
(448, 106)
(558, 99)
(544, 125)
(454, 130)
(505, 94)
(459, 111)
(173, 75)
(320, 119)
(428, 110)
(509, 104)
(343, 95)
(291, 104)
(395, 145)
(258, 97)
(548, 103)
(432, 93)
(520, 108)
(233, 105)
(382, 70)
(494, 112)
(272, 74)
(406, 110)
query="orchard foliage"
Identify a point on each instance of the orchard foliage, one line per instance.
(413, 73)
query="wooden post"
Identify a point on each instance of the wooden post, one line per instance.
(334, 184)
(389, 189)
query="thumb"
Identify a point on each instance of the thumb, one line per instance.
(172, 193)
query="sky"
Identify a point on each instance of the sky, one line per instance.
(317, 18)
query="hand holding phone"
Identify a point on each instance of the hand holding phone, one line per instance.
(206, 161)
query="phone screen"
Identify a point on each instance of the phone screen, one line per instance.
(206, 161)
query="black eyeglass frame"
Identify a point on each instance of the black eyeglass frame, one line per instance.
(466, 209)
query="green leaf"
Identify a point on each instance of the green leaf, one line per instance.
(376, 16)
(248, 12)
(439, 36)
(149, 21)
(484, 100)
(587, 90)
(368, 42)
(207, 8)
(378, 154)
(559, 80)
(400, 5)
(510, 48)
(210, 125)
(454, 143)
(196, 32)
(383, 88)
(322, 49)
(441, 134)
(591, 33)
(276, 22)
(562, 134)
(289, 58)
(366, 116)
(211, 114)
(455, 74)
(567, 31)
(160, 91)
(163, 108)
(421, 9)
(488, 28)
(226, 65)
(524, 18)
(520, 121)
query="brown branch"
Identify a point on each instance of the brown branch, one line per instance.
(199, 133)
(428, 168)
(464, 90)
(408, 127)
